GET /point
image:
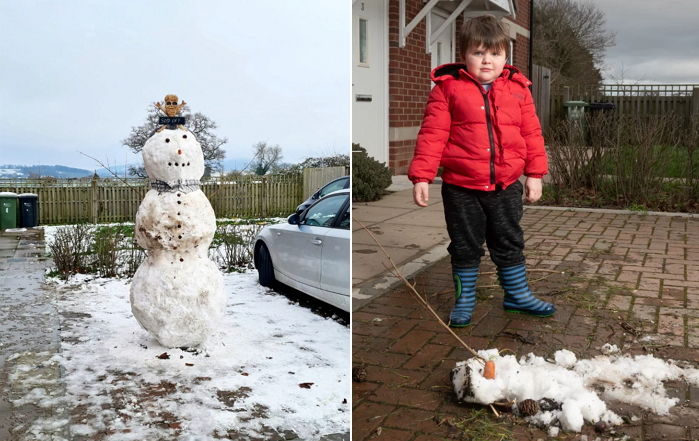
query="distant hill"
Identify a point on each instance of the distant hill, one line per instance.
(27, 171)
(61, 171)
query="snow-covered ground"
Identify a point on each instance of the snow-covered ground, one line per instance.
(273, 367)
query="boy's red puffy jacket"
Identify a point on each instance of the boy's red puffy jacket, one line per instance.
(481, 139)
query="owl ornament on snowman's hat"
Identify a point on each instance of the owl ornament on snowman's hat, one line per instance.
(172, 110)
(176, 293)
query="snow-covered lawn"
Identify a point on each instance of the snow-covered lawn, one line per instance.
(272, 367)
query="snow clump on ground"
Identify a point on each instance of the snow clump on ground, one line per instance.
(571, 392)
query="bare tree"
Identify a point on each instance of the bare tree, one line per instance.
(199, 124)
(336, 160)
(267, 158)
(570, 38)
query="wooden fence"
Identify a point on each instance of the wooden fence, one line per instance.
(63, 201)
(314, 178)
(541, 92)
(681, 100)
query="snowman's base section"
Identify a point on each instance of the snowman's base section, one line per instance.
(179, 304)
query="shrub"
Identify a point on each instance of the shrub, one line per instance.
(133, 257)
(105, 247)
(70, 249)
(627, 161)
(370, 178)
(232, 247)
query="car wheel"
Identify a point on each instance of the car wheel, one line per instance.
(265, 270)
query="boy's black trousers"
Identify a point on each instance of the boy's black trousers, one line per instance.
(475, 216)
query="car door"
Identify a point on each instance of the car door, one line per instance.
(302, 246)
(334, 273)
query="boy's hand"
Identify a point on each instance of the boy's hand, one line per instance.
(532, 189)
(421, 191)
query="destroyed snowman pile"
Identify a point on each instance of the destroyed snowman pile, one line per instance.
(176, 293)
(566, 392)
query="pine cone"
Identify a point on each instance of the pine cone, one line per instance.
(359, 374)
(528, 408)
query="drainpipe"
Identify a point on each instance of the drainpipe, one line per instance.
(531, 37)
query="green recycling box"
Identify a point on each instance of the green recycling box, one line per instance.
(575, 109)
(8, 210)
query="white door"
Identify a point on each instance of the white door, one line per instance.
(442, 48)
(370, 77)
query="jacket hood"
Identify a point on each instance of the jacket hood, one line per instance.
(453, 71)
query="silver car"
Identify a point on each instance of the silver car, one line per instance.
(311, 252)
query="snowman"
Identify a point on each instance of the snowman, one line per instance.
(176, 293)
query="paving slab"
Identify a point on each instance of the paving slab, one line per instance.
(371, 214)
(370, 261)
(28, 331)
(399, 235)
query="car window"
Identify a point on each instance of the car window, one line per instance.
(323, 213)
(333, 186)
(344, 220)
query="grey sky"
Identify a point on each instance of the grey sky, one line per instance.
(77, 75)
(656, 42)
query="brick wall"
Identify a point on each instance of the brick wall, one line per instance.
(408, 79)
(521, 50)
(521, 44)
(409, 73)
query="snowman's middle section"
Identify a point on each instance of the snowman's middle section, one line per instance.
(176, 221)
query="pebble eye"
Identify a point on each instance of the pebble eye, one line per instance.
(184, 136)
(169, 163)
(167, 139)
(176, 163)
(188, 163)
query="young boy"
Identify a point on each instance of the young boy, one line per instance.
(480, 125)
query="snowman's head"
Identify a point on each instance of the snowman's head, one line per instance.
(172, 155)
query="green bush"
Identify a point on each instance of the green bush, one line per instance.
(115, 251)
(105, 247)
(370, 178)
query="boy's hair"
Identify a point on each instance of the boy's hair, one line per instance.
(486, 30)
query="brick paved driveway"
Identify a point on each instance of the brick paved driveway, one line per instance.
(630, 280)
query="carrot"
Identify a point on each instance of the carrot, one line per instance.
(489, 370)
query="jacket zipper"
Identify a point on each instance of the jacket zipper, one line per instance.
(489, 122)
